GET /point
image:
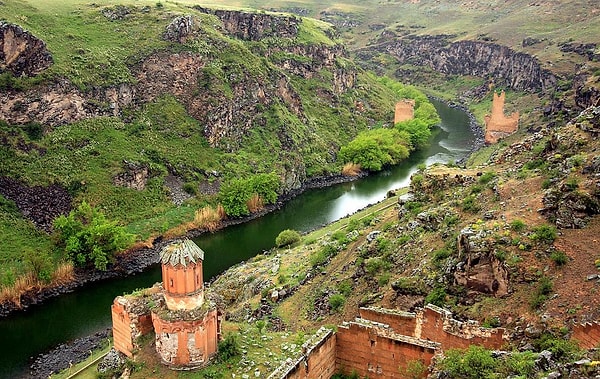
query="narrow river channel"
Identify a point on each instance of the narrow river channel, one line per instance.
(25, 335)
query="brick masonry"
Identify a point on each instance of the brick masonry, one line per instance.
(587, 335)
(497, 124)
(405, 110)
(381, 342)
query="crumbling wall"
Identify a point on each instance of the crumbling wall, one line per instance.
(373, 350)
(405, 110)
(437, 324)
(186, 343)
(382, 342)
(497, 124)
(131, 320)
(401, 322)
(587, 335)
(316, 362)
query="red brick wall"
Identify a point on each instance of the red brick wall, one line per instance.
(402, 322)
(587, 335)
(121, 329)
(432, 329)
(318, 363)
(127, 325)
(362, 350)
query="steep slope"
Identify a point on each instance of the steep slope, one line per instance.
(137, 109)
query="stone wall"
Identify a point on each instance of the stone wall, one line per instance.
(405, 110)
(131, 320)
(373, 350)
(317, 360)
(497, 124)
(187, 343)
(381, 342)
(587, 334)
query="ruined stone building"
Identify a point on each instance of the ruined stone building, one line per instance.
(185, 321)
(381, 343)
(497, 124)
(405, 110)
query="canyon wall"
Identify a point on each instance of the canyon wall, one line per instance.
(513, 69)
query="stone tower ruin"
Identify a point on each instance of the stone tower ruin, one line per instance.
(185, 321)
(186, 327)
(497, 125)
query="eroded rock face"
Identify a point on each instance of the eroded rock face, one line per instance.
(21, 53)
(179, 29)
(255, 26)
(134, 176)
(479, 269)
(516, 70)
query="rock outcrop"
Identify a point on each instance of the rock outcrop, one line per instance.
(255, 26)
(39, 204)
(513, 69)
(21, 53)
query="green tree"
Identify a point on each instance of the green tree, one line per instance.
(235, 193)
(287, 237)
(88, 238)
(376, 148)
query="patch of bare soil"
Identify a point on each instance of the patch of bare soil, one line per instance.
(578, 297)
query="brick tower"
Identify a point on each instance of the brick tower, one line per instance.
(187, 327)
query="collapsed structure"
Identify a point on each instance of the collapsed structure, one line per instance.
(187, 324)
(497, 124)
(404, 111)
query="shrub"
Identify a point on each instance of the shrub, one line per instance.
(336, 302)
(486, 177)
(559, 257)
(473, 363)
(376, 148)
(541, 294)
(561, 349)
(287, 237)
(345, 288)
(436, 297)
(544, 233)
(229, 347)
(517, 225)
(470, 205)
(88, 238)
(235, 194)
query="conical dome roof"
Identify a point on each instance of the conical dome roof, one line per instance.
(181, 252)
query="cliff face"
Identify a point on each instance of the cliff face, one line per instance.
(188, 77)
(514, 69)
(255, 26)
(21, 53)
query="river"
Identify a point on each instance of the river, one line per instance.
(87, 310)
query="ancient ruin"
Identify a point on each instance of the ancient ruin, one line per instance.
(187, 325)
(498, 125)
(405, 110)
(380, 343)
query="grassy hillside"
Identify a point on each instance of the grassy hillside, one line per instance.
(235, 112)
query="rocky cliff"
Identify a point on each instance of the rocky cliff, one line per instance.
(21, 53)
(509, 68)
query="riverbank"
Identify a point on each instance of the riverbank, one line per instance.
(139, 259)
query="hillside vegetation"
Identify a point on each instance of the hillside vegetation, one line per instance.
(165, 118)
